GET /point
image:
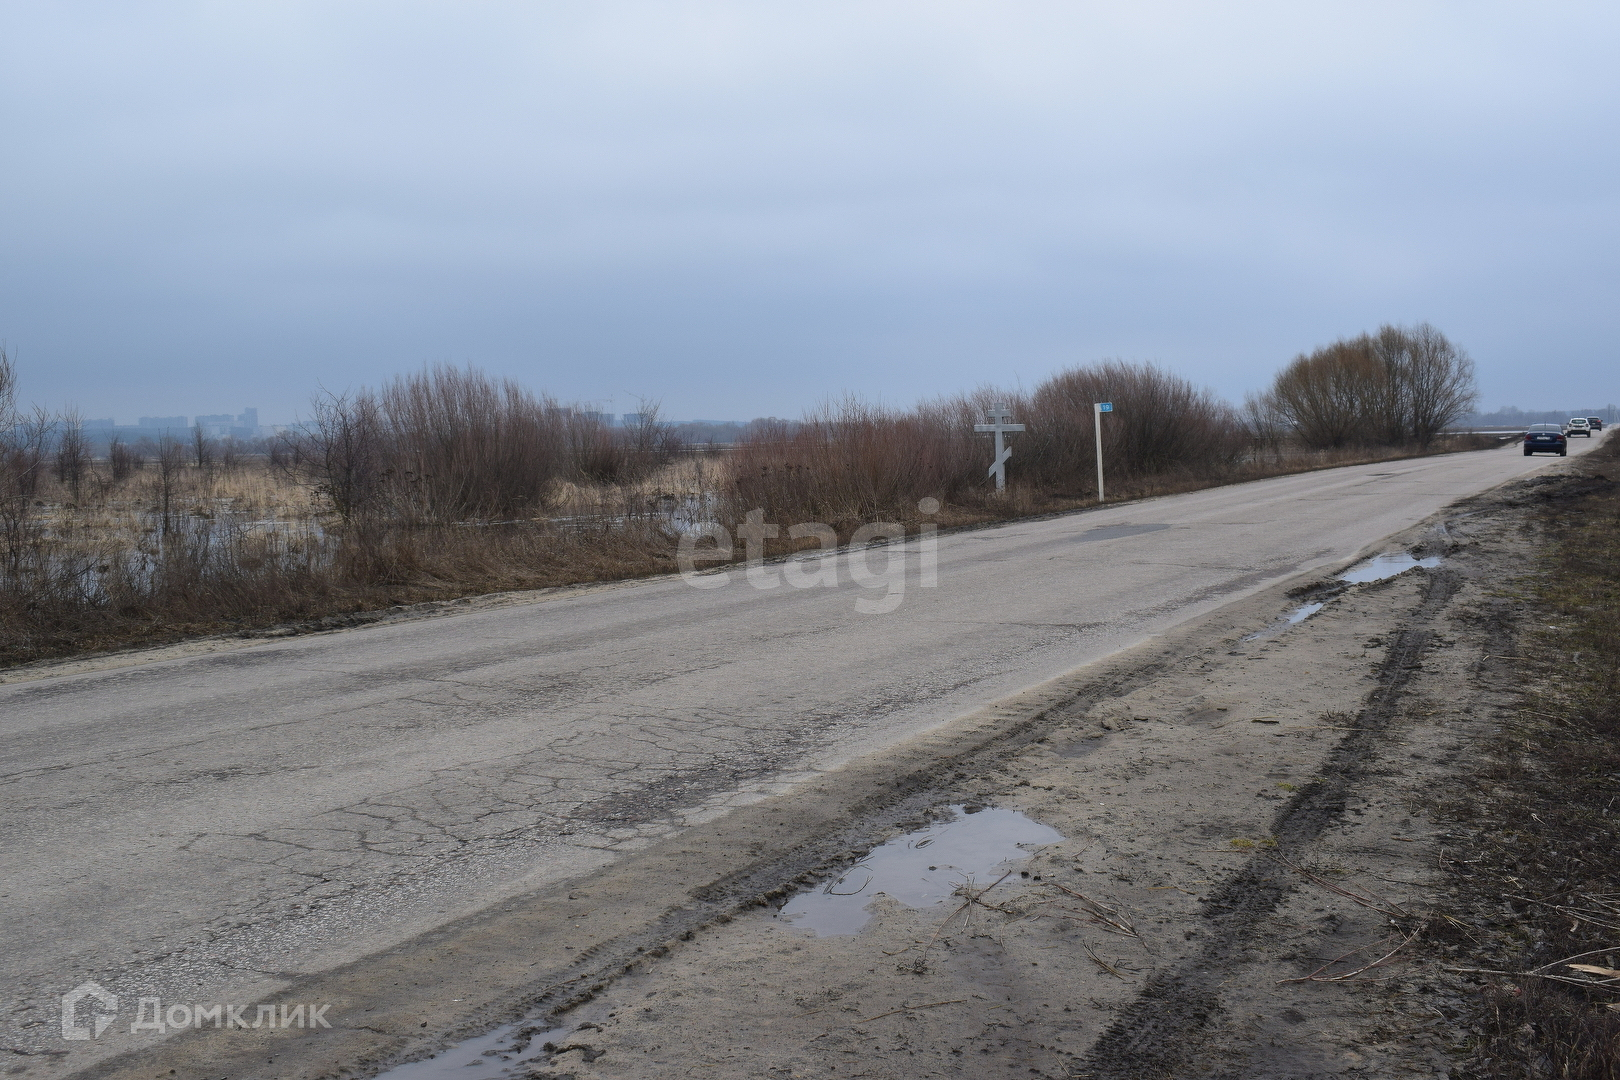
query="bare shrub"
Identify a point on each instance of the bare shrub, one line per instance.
(123, 460)
(1264, 426)
(649, 443)
(1161, 424)
(22, 461)
(1402, 385)
(72, 454)
(344, 454)
(1436, 378)
(450, 444)
(202, 448)
(230, 456)
(850, 461)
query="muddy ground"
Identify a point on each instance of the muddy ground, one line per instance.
(1245, 831)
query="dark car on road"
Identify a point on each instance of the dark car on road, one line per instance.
(1596, 422)
(1545, 439)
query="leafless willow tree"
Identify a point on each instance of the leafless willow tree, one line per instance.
(72, 454)
(1402, 385)
(1435, 376)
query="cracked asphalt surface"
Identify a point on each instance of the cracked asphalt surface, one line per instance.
(214, 827)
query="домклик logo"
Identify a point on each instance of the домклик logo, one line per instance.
(101, 1011)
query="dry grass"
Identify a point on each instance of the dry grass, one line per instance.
(1540, 884)
(153, 559)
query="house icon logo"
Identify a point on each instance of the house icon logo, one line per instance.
(87, 1009)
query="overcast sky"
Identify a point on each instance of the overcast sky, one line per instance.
(743, 208)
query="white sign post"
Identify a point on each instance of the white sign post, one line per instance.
(998, 425)
(1097, 409)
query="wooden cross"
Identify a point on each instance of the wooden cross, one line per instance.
(999, 415)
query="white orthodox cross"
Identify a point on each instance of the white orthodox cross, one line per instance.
(999, 415)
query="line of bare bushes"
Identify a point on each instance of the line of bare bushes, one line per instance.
(448, 482)
(1376, 396)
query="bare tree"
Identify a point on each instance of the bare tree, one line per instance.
(1332, 398)
(346, 455)
(1263, 423)
(72, 454)
(1400, 386)
(202, 448)
(22, 458)
(1438, 381)
(171, 465)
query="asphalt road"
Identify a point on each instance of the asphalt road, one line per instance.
(207, 827)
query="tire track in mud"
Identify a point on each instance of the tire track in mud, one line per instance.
(1163, 1032)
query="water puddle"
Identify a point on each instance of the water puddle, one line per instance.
(921, 868)
(1378, 568)
(1385, 566)
(506, 1051)
(1303, 612)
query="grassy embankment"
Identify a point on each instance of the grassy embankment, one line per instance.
(1539, 882)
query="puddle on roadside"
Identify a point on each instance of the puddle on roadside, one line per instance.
(1300, 614)
(920, 869)
(1378, 568)
(502, 1052)
(1385, 566)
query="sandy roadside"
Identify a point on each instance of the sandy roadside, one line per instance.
(1186, 805)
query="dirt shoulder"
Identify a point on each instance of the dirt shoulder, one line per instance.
(1258, 817)
(1271, 819)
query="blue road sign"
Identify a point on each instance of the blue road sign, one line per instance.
(1105, 406)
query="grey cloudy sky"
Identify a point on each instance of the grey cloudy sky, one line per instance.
(742, 208)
